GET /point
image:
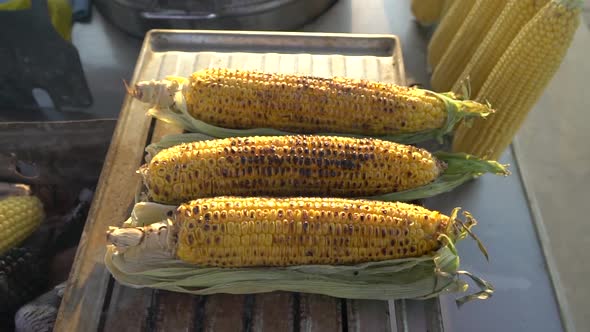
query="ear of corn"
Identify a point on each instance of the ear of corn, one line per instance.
(259, 231)
(515, 15)
(427, 12)
(446, 6)
(148, 261)
(302, 165)
(225, 103)
(19, 217)
(447, 29)
(520, 76)
(477, 24)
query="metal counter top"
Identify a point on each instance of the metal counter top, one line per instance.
(524, 299)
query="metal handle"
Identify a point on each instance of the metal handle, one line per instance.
(178, 15)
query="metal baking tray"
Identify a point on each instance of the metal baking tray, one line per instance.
(374, 57)
(179, 52)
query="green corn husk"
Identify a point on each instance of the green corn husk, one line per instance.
(461, 168)
(457, 110)
(411, 278)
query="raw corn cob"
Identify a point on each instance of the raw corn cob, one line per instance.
(515, 15)
(520, 76)
(23, 276)
(446, 6)
(427, 12)
(237, 99)
(459, 52)
(19, 217)
(260, 231)
(447, 29)
(294, 165)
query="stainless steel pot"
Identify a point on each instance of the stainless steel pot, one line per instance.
(138, 16)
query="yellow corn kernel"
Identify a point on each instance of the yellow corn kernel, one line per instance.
(515, 15)
(343, 243)
(286, 166)
(447, 29)
(477, 24)
(520, 76)
(19, 217)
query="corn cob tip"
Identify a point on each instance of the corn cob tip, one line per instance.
(458, 102)
(153, 236)
(157, 93)
(464, 163)
(475, 109)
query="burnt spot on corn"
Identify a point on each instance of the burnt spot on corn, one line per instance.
(287, 166)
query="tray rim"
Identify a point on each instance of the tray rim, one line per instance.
(397, 52)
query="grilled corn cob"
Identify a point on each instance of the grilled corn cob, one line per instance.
(427, 12)
(303, 104)
(287, 165)
(514, 16)
(19, 217)
(479, 21)
(447, 29)
(303, 165)
(520, 76)
(259, 231)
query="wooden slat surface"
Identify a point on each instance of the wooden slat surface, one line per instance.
(273, 312)
(319, 313)
(87, 286)
(128, 309)
(224, 313)
(175, 312)
(368, 315)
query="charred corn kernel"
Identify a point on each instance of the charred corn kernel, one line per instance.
(19, 217)
(332, 237)
(447, 29)
(520, 77)
(287, 165)
(427, 12)
(515, 15)
(477, 24)
(240, 99)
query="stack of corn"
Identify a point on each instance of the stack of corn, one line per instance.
(288, 166)
(523, 42)
(291, 200)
